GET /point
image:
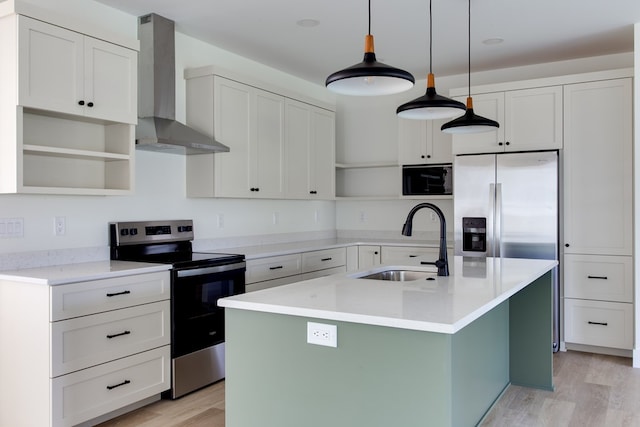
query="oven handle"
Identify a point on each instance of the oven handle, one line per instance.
(209, 270)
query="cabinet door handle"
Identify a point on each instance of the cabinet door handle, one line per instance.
(89, 104)
(413, 256)
(276, 267)
(81, 102)
(119, 335)
(566, 245)
(598, 323)
(507, 143)
(428, 156)
(125, 382)
(326, 259)
(375, 253)
(500, 144)
(597, 277)
(313, 192)
(118, 293)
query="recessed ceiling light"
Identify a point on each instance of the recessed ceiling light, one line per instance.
(308, 23)
(495, 40)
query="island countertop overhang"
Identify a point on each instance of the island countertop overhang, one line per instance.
(444, 305)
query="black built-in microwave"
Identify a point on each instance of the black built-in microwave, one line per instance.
(427, 180)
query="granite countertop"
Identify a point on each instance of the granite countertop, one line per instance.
(444, 305)
(80, 272)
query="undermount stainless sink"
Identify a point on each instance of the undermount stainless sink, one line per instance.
(400, 275)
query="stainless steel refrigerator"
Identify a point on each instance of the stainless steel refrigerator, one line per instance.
(506, 205)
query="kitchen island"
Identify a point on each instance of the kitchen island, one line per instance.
(414, 353)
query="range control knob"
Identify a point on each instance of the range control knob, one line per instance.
(133, 231)
(124, 232)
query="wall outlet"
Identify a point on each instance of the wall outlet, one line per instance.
(220, 221)
(322, 334)
(276, 218)
(59, 226)
(363, 216)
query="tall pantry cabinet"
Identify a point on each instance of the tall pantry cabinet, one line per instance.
(598, 230)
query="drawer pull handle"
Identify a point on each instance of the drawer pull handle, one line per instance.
(413, 256)
(276, 268)
(326, 259)
(125, 382)
(597, 277)
(119, 293)
(598, 323)
(119, 335)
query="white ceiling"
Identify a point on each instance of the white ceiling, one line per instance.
(533, 31)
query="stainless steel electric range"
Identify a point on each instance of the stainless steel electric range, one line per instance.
(198, 280)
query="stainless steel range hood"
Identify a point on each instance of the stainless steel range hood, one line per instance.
(157, 128)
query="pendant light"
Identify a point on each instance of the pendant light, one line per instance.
(369, 77)
(430, 105)
(469, 122)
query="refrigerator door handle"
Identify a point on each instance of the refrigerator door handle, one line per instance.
(497, 218)
(491, 221)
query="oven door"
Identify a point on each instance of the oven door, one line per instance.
(198, 322)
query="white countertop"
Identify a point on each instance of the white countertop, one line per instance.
(80, 272)
(444, 305)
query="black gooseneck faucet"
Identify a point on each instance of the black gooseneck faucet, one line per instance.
(442, 263)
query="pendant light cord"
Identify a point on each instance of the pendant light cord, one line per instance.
(469, 74)
(369, 17)
(430, 39)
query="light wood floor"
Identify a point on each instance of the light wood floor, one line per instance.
(591, 391)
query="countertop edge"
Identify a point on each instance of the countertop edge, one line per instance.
(424, 326)
(122, 268)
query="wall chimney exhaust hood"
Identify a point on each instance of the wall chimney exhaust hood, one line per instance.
(157, 128)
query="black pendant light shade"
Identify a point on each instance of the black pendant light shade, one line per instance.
(369, 77)
(431, 105)
(469, 122)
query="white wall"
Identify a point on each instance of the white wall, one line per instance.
(160, 178)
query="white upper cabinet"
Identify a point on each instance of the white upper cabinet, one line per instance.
(67, 72)
(598, 169)
(250, 122)
(280, 148)
(51, 143)
(422, 141)
(530, 119)
(310, 151)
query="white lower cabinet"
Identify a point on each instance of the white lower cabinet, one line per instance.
(598, 301)
(410, 255)
(368, 256)
(599, 323)
(263, 273)
(89, 393)
(83, 349)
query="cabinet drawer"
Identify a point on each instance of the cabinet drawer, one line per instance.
(322, 273)
(605, 278)
(89, 393)
(80, 299)
(272, 268)
(91, 340)
(321, 260)
(407, 255)
(604, 324)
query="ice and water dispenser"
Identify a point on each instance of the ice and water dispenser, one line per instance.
(474, 234)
